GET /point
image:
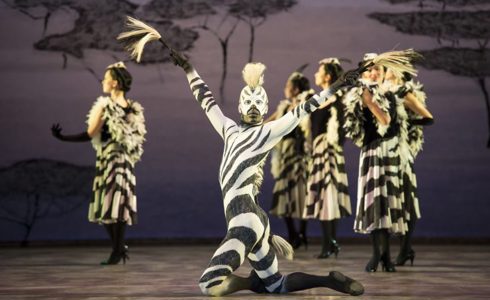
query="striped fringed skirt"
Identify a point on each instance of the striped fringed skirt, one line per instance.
(410, 205)
(289, 193)
(328, 195)
(379, 199)
(113, 198)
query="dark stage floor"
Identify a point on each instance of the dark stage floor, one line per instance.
(159, 272)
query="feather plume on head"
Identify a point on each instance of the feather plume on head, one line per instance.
(138, 36)
(253, 74)
(398, 61)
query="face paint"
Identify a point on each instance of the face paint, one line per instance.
(253, 105)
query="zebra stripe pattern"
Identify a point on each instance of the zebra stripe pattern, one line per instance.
(248, 231)
(114, 198)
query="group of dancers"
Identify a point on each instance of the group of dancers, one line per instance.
(377, 105)
(383, 114)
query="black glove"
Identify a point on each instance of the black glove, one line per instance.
(348, 79)
(81, 137)
(180, 60)
(422, 122)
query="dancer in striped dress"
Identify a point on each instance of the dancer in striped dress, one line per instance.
(328, 195)
(289, 162)
(372, 121)
(116, 127)
(246, 145)
(411, 94)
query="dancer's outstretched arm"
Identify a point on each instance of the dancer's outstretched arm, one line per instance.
(290, 120)
(203, 95)
(95, 124)
(206, 100)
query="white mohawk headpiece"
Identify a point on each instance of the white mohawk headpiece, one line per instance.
(253, 74)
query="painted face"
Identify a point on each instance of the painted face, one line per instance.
(108, 83)
(253, 104)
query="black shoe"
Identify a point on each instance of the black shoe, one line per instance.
(372, 265)
(335, 248)
(386, 264)
(344, 284)
(402, 259)
(257, 285)
(116, 257)
(304, 240)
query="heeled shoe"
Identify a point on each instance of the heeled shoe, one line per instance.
(116, 257)
(386, 264)
(401, 260)
(372, 265)
(335, 248)
(304, 240)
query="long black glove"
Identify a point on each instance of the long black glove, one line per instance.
(422, 122)
(348, 79)
(180, 60)
(81, 137)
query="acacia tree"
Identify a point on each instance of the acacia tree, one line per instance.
(255, 12)
(37, 189)
(223, 37)
(97, 26)
(452, 26)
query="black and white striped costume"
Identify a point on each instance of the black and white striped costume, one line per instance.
(379, 201)
(118, 147)
(248, 230)
(413, 142)
(328, 194)
(289, 168)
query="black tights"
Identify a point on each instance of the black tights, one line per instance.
(116, 232)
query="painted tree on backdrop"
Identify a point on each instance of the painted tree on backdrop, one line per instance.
(255, 12)
(99, 22)
(36, 189)
(468, 23)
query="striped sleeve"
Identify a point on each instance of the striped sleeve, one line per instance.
(289, 121)
(206, 100)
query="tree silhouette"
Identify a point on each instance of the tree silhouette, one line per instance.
(255, 12)
(223, 39)
(98, 24)
(451, 26)
(473, 63)
(35, 189)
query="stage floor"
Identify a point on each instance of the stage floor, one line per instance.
(161, 272)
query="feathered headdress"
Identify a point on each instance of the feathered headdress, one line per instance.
(398, 61)
(329, 60)
(119, 64)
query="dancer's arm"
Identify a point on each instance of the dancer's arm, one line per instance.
(290, 120)
(412, 103)
(206, 100)
(382, 117)
(203, 95)
(95, 124)
(285, 124)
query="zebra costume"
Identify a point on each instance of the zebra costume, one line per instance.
(118, 147)
(413, 142)
(379, 202)
(328, 194)
(248, 229)
(289, 167)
